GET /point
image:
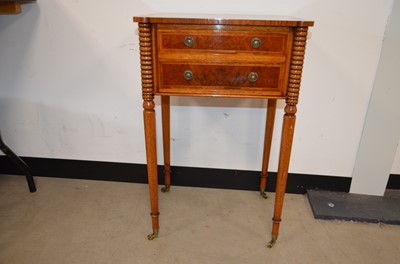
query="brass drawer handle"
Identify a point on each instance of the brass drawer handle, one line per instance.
(253, 77)
(188, 41)
(188, 75)
(256, 43)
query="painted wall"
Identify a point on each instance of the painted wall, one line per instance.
(381, 131)
(70, 86)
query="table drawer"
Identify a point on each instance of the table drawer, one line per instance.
(221, 39)
(216, 79)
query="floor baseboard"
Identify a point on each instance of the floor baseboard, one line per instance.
(181, 176)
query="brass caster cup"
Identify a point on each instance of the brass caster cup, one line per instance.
(263, 194)
(165, 188)
(272, 242)
(152, 235)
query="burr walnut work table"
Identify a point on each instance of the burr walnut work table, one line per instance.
(225, 56)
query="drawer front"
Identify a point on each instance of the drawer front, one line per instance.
(241, 39)
(215, 60)
(220, 75)
(192, 78)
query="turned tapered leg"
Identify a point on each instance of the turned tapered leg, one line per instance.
(289, 120)
(269, 128)
(149, 117)
(283, 168)
(166, 141)
(151, 153)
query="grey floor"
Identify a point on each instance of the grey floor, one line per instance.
(78, 221)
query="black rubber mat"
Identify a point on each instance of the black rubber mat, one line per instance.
(356, 207)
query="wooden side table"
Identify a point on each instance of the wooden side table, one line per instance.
(221, 56)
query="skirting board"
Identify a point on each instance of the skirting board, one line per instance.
(181, 176)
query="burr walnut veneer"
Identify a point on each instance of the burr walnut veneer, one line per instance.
(225, 56)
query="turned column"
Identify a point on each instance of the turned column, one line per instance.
(149, 117)
(289, 120)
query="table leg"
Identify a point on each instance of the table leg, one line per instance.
(289, 120)
(151, 153)
(283, 169)
(269, 128)
(149, 117)
(165, 112)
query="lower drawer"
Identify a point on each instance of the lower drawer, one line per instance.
(229, 80)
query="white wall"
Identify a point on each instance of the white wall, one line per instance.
(70, 86)
(381, 131)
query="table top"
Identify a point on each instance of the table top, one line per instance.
(223, 19)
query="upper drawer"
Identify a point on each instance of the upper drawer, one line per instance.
(225, 39)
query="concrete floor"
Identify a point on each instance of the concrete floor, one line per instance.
(79, 221)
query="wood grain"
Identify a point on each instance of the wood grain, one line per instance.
(145, 42)
(219, 62)
(165, 113)
(269, 129)
(220, 75)
(224, 40)
(10, 7)
(208, 19)
(289, 120)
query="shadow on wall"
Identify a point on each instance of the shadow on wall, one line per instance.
(57, 54)
(25, 24)
(57, 90)
(40, 130)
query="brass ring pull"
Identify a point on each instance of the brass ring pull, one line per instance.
(252, 77)
(256, 43)
(188, 75)
(188, 41)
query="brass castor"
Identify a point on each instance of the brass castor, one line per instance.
(263, 194)
(152, 235)
(165, 188)
(272, 242)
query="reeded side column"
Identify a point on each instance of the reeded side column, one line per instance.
(145, 42)
(289, 120)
